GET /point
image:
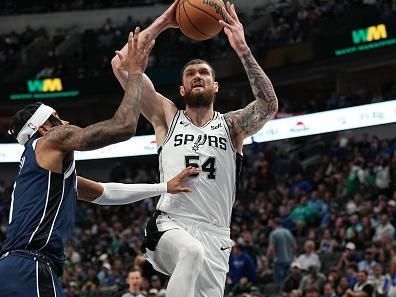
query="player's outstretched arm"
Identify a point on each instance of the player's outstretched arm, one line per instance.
(118, 193)
(163, 22)
(247, 121)
(123, 124)
(157, 109)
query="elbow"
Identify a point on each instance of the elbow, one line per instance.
(127, 134)
(270, 106)
(275, 107)
(127, 131)
(123, 130)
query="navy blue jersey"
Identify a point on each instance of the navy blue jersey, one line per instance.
(42, 208)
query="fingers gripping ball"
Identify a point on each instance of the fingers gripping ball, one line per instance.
(199, 19)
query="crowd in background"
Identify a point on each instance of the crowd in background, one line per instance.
(275, 24)
(9, 7)
(337, 207)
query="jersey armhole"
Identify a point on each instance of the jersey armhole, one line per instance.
(171, 129)
(229, 134)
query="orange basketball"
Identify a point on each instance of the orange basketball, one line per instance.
(199, 19)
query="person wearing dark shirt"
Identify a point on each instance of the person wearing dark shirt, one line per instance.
(293, 280)
(241, 265)
(362, 288)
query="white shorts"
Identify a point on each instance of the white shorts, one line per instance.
(217, 245)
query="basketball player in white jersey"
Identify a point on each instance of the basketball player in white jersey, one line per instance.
(189, 238)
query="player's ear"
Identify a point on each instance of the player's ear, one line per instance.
(43, 129)
(182, 90)
(216, 86)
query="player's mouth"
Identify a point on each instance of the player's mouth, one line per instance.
(197, 84)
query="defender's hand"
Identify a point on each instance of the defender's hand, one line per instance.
(233, 28)
(138, 52)
(175, 184)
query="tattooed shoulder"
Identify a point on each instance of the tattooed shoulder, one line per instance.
(60, 133)
(231, 118)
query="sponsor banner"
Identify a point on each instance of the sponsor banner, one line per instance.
(297, 126)
(328, 121)
(136, 146)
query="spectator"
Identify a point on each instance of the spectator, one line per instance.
(244, 286)
(292, 282)
(343, 286)
(282, 247)
(311, 291)
(327, 244)
(368, 263)
(348, 256)
(377, 279)
(328, 290)
(134, 281)
(320, 207)
(356, 177)
(156, 282)
(384, 228)
(388, 287)
(351, 274)
(354, 229)
(302, 215)
(362, 288)
(312, 278)
(241, 265)
(310, 257)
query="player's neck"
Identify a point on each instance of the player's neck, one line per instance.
(200, 115)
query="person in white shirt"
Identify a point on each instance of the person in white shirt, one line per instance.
(310, 257)
(384, 228)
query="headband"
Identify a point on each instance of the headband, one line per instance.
(32, 125)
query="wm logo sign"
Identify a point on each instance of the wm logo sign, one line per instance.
(45, 85)
(369, 34)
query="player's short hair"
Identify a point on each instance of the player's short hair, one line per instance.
(195, 62)
(21, 117)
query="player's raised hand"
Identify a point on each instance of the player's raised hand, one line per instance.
(169, 16)
(175, 185)
(233, 28)
(135, 61)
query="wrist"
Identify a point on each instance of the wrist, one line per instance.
(159, 25)
(135, 72)
(243, 50)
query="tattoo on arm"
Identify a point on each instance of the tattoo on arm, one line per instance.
(253, 117)
(120, 127)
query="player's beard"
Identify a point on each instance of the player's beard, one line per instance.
(200, 99)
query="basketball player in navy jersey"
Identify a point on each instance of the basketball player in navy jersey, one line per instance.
(45, 191)
(189, 238)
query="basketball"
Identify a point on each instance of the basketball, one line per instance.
(199, 19)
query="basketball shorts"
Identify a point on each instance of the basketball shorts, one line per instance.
(215, 241)
(23, 275)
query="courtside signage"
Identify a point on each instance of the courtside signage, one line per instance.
(369, 38)
(296, 126)
(44, 89)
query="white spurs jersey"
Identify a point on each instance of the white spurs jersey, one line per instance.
(210, 148)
